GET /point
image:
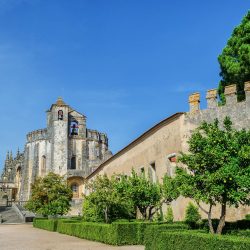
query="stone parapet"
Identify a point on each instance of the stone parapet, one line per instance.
(40, 134)
(230, 94)
(194, 102)
(212, 102)
(212, 98)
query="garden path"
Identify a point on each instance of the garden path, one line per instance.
(25, 237)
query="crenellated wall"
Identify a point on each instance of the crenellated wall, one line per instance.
(155, 151)
(40, 134)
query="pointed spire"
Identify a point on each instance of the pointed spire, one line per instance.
(11, 157)
(7, 156)
(18, 152)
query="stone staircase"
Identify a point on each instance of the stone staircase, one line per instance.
(9, 215)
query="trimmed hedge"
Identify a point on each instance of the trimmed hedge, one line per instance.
(191, 240)
(245, 233)
(117, 233)
(151, 233)
(47, 224)
(91, 231)
(229, 226)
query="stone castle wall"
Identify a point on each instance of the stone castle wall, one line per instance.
(155, 151)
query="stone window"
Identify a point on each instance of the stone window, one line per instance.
(74, 128)
(43, 166)
(142, 170)
(152, 172)
(60, 115)
(73, 162)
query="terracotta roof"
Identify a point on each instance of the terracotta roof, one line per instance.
(136, 141)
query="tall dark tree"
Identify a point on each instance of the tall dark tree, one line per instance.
(235, 59)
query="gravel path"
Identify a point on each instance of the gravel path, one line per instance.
(25, 237)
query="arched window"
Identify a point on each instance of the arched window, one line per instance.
(60, 115)
(73, 162)
(43, 166)
(75, 190)
(74, 128)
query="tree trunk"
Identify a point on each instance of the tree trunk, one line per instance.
(106, 214)
(209, 216)
(151, 214)
(222, 218)
(143, 212)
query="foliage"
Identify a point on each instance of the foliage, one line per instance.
(248, 217)
(107, 202)
(152, 232)
(50, 225)
(145, 195)
(218, 168)
(169, 215)
(192, 215)
(117, 233)
(235, 59)
(120, 197)
(195, 240)
(170, 189)
(229, 225)
(50, 196)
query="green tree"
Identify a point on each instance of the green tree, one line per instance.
(218, 168)
(50, 196)
(170, 189)
(145, 195)
(108, 200)
(169, 215)
(235, 59)
(120, 196)
(192, 215)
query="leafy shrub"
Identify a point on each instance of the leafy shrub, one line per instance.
(88, 230)
(247, 217)
(50, 196)
(192, 215)
(192, 240)
(50, 225)
(169, 215)
(244, 233)
(229, 226)
(151, 233)
(117, 233)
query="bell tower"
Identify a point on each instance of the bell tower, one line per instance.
(57, 122)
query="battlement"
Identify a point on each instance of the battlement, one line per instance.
(212, 102)
(40, 134)
(239, 112)
(94, 134)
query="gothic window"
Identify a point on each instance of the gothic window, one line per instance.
(43, 167)
(73, 162)
(74, 128)
(60, 115)
(152, 172)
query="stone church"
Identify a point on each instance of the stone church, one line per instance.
(66, 147)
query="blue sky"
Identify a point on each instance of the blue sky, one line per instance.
(125, 64)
